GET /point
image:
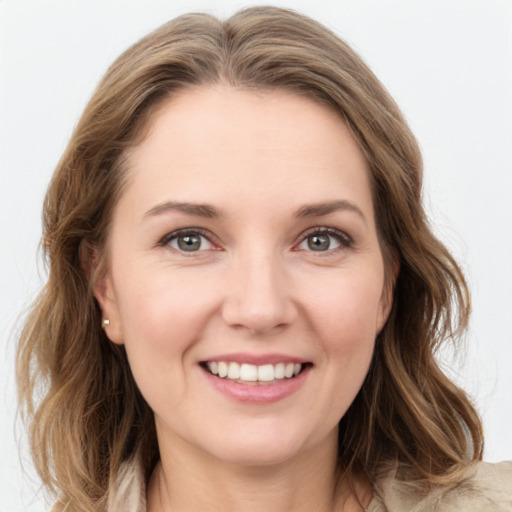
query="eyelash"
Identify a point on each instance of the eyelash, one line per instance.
(344, 240)
(167, 239)
(341, 237)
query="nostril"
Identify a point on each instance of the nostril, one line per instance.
(257, 296)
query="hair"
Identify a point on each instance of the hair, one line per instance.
(86, 416)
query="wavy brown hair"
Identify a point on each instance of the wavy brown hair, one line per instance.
(85, 413)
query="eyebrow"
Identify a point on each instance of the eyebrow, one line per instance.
(208, 211)
(196, 209)
(319, 209)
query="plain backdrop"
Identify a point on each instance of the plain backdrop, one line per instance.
(448, 63)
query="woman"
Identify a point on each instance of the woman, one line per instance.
(244, 296)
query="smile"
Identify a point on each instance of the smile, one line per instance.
(253, 374)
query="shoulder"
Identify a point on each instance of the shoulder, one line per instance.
(129, 491)
(482, 487)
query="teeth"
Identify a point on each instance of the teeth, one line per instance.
(266, 372)
(279, 371)
(248, 372)
(223, 369)
(253, 373)
(233, 371)
(288, 371)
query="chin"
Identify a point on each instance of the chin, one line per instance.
(256, 455)
(261, 447)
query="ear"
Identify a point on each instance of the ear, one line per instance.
(386, 300)
(105, 295)
(103, 289)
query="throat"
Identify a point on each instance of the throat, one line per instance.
(250, 490)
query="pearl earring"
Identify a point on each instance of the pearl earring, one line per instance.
(105, 323)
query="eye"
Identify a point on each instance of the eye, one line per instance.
(187, 241)
(324, 239)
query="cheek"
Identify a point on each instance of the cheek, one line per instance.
(342, 318)
(345, 318)
(348, 311)
(162, 317)
(162, 321)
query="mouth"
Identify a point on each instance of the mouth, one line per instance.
(251, 374)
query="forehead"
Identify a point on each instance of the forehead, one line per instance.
(212, 143)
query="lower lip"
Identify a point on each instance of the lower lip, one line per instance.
(258, 393)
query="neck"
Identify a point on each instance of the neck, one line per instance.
(311, 481)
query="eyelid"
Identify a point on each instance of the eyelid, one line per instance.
(344, 240)
(166, 239)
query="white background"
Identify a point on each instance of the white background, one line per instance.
(448, 63)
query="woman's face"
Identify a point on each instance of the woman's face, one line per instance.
(245, 243)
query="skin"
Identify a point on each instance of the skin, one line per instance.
(255, 286)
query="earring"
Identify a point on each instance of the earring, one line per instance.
(105, 323)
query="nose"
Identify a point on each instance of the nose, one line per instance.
(258, 294)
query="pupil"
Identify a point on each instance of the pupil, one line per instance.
(189, 242)
(319, 242)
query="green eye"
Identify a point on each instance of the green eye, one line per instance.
(319, 242)
(189, 242)
(324, 240)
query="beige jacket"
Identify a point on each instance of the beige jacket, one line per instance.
(484, 488)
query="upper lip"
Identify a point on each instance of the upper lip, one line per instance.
(256, 359)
